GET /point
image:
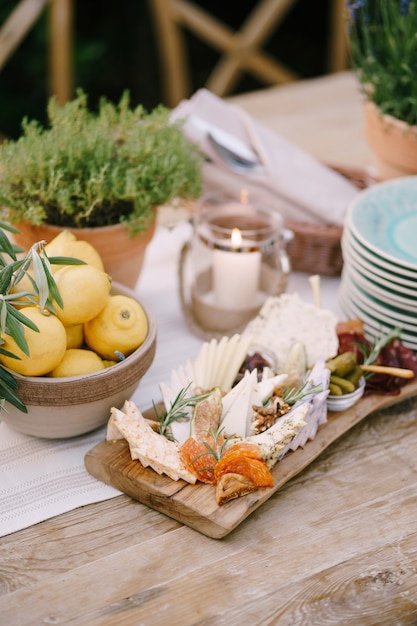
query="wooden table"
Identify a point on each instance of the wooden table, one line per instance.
(336, 545)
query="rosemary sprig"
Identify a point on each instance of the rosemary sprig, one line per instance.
(215, 451)
(179, 409)
(380, 344)
(293, 395)
(220, 443)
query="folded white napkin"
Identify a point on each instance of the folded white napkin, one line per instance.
(295, 183)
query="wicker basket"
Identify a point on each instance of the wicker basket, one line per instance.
(315, 248)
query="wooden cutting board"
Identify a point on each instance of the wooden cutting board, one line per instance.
(195, 505)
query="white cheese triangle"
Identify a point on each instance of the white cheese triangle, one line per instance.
(235, 417)
(263, 389)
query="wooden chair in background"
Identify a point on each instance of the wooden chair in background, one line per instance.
(19, 23)
(241, 50)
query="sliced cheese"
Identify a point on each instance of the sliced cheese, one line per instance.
(263, 389)
(200, 365)
(233, 394)
(226, 361)
(211, 357)
(237, 413)
(218, 362)
(219, 358)
(236, 359)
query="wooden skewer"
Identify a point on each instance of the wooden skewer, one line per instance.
(386, 369)
(315, 286)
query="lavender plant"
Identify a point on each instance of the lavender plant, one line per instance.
(383, 44)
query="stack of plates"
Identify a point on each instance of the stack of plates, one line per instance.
(379, 246)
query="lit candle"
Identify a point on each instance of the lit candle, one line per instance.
(236, 275)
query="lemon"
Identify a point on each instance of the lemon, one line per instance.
(46, 347)
(66, 244)
(81, 250)
(84, 291)
(75, 336)
(121, 326)
(58, 243)
(77, 362)
(108, 363)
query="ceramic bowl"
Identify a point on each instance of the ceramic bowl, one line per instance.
(68, 407)
(340, 403)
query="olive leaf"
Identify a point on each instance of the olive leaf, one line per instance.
(7, 247)
(14, 322)
(41, 280)
(8, 385)
(6, 275)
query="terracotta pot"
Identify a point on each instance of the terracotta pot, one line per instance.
(393, 143)
(122, 255)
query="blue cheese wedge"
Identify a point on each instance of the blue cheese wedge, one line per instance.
(273, 441)
(285, 320)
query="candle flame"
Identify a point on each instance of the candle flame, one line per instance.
(236, 238)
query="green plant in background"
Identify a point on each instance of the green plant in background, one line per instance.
(90, 169)
(383, 41)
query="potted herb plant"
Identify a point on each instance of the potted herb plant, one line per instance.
(95, 173)
(383, 45)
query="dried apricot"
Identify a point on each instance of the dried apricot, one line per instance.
(237, 462)
(244, 447)
(199, 460)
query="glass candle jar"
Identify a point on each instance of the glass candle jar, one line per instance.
(235, 260)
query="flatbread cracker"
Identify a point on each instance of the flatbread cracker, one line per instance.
(146, 445)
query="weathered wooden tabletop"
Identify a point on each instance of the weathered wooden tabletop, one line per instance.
(336, 545)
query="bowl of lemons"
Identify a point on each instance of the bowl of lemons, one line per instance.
(86, 356)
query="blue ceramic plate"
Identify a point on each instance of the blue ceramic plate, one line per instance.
(383, 294)
(374, 324)
(378, 307)
(384, 219)
(394, 283)
(376, 264)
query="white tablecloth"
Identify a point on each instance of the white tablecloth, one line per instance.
(43, 478)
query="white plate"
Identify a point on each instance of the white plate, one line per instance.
(375, 307)
(373, 327)
(384, 219)
(382, 294)
(395, 289)
(376, 262)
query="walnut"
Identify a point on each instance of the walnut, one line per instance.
(265, 416)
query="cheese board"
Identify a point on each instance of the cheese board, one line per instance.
(195, 505)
